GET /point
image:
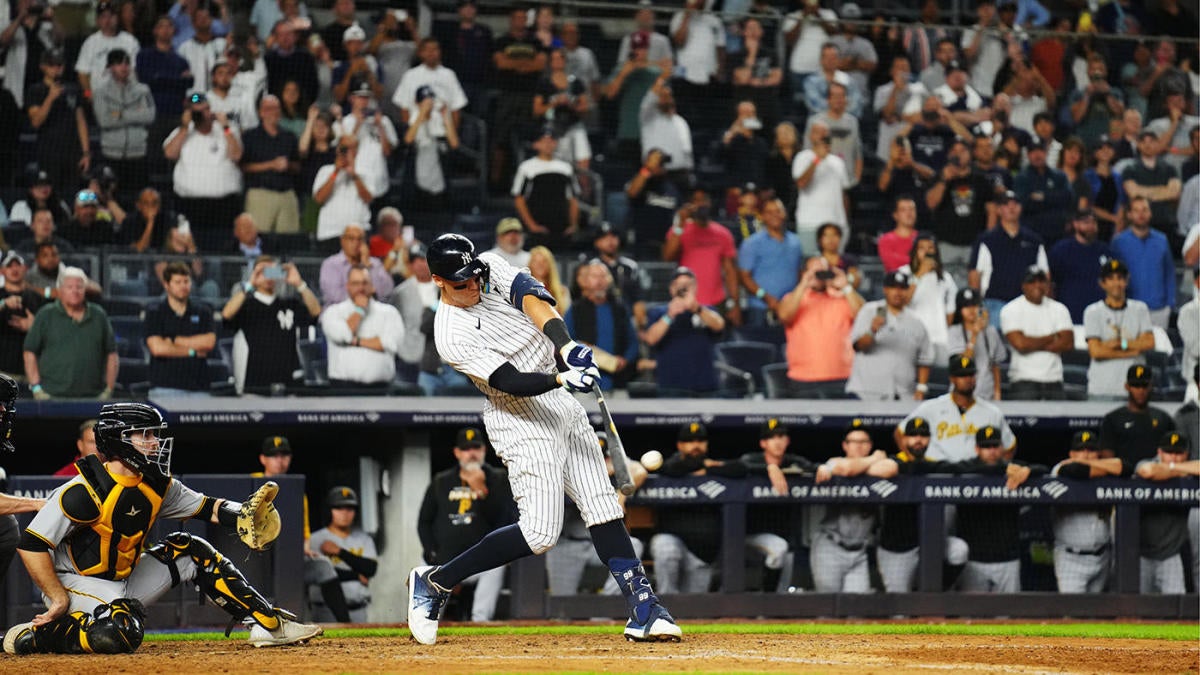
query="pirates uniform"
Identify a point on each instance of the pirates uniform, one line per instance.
(953, 430)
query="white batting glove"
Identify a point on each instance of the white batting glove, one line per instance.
(579, 381)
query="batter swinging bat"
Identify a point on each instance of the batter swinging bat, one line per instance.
(616, 449)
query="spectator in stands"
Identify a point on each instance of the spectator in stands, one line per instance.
(756, 73)
(933, 293)
(1148, 256)
(270, 161)
(70, 351)
(564, 102)
(336, 268)
(845, 141)
(992, 531)
(1106, 189)
(744, 150)
(461, 505)
(1165, 79)
(663, 128)
(345, 555)
(655, 196)
(769, 265)
(683, 546)
(983, 153)
(288, 61)
(1029, 93)
(246, 240)
(1045, 195)
(629, 84)
(1095, 105)
(932, 135)
(86, 228)
(432, 134)
(1039, 329)
(986, 45)
(56, 113)
(657, 45)
(269, 322)
(821, 177)
(817, 316)
(699, 39)
(417, 299)
(1174, 131)
(18, 305)
(124, 110)
(30, 32)
(706, 247)
(1163, 530)
(903, 178)
(180, 336)
(519, 59)
(202, 48)
(973, 336)
(896, 245)
(1118, 331)
(510, 242)
(208, 184)
(545, 193)
(388, 244)
(829, 246)
(1073, 264)
(358, 71)
(581, 60)
(85, 444)
(892, 351)
(179, 243)
(897, 103)
(376, 136)
(544, 268)
(222, 98)
(682, 336)
(1126, 142)
(1002, 255)
(332, 34)
(817, 85)
(1081, 534)
(343, 191)
(599, 318)
(39, 195)
(1132, 432)
(1155, 180)
(627, 276)
(964, 103)
(933, 75)
(961, 202)
(807, 29)
(363, 335)
(167, 74)
(93, 61)
(448, 92)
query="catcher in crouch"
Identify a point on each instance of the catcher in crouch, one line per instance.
(87, 553)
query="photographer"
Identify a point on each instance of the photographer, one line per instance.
(705, 246)
(817, 315)
(55, 108)
(654, 196)
(961, 204)
(683, 335)
(376, 136)
(342, 192)
(432, 134)
(563, 101)
(206, 151)
(1095, 106)
(25, 39)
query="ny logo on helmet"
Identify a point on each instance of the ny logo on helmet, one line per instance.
(466, 258)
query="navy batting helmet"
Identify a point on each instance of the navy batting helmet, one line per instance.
(452, 257)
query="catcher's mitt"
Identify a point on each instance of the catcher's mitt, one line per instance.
(258, 522)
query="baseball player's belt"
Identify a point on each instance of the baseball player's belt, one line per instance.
(843, 545)
(1095, 551)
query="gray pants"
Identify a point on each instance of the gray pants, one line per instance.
(898, 569)
(1081, 572)
(836, 569)
(566, 562)
(776, 556)
(1194, 536)
(320, 570)
(488, 585)
(676, 569)
(1162, 576)
(995, 577)
(147, 583)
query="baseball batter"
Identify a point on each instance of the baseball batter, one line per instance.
(86, 549)
(10, 531)
(497, 325)
(1081, 533)
(954, 417)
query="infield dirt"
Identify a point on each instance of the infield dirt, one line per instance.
(708, 653)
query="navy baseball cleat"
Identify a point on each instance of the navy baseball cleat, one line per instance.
(426, 602)
(659, 626)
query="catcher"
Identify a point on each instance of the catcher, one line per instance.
(86, 550)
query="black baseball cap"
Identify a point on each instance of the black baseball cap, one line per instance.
(423, 92)
(988, 437)
(955, 65)
(682, 271)
(342, 496)
(39, 177)
(52, 57)
(604, 229)
(1036, 144)
(1113, 266)
(856, 424)
(772, 428)
(1085, 440)
(363, 89)
(1139, 375)
(1033, 273)
(917, 426)
(967, 297)
(1006, 197)
(276, 445)
(1083, 214)
(469, 437)
(896, 279)
(962, 365)
(1102, 141)
(1175, 442)
(105, 6)
(692, 431)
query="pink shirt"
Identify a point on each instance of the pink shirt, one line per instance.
(818, 339)
(894, 250)
(701, 250)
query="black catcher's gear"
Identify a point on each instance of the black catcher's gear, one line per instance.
(135, 433)
(115, 628)
(452, 257)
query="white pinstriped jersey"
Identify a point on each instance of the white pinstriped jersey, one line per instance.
(953, 432)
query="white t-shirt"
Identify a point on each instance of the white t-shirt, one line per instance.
(204, 169)
(443, 81)
(1024, 110)
(371, 161)
(908, 102)
(932, 300)
(806, 53)
(1035, 321)
(343, 206)
(237, 107)
(821, 202)
(93, 55)
(698, 55)
(362, 364)
(200, 58)
(988, 60)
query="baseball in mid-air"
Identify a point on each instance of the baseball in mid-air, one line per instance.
(652, 459)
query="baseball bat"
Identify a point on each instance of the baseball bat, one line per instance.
(616, 449)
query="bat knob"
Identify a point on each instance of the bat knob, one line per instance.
(628, 490)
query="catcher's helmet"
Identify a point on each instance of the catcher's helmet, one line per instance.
(452, 257)
(8, 396)
(134, 433)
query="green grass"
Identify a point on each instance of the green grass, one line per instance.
(1156, 631)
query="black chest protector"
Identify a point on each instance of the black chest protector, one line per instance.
(112, 515)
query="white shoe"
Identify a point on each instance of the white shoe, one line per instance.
(659, 626)
(425, 605)
(288, 633)
(10, 638)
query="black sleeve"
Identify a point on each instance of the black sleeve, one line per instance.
(425, 520)
(509, 380)
(678, 465)
(154, 323)
(732, 468)
(1075, 470)
(364, 566)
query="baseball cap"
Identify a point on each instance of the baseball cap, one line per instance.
(1083, 214)
(1035, 144)
(639, 40)
(856, 424)
(967, 297)
(1113, 266)
(363, 88)
(104, 6)
(851, 10)
(39, 177)
(469, 437)
(417, 250)
(117, 56)
(342, 496)
(10, 258)
(917, 426)
(276, 445)
(682, 271)
(896, 279)
(988, 437)
(771, 428)
(423, 92)
(354, 32)
(693, 431)
(962, 365)
(1006, 197)
(1084, 440)
(1147, 134)
(1102, 141)
(604, 229)
(507, 225)
(87, 198)
(955, 65)
(52, 57)
(220, 61)
(544, 131)
(1033, 273)
(1139, 375)
(1173, 441)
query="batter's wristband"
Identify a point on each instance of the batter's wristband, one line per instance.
(556, 330)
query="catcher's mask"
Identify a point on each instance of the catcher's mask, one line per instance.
(136, 434)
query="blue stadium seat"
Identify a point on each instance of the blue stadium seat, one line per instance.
(749, 357)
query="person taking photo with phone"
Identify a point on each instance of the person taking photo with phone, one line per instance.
(817, 316)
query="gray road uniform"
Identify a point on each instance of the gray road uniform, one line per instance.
(952, 431)
(1162, 535)
(1082, 540)
(359, 559)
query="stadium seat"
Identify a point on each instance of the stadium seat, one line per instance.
(749, 357)
(313, 362)
(775, 378)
